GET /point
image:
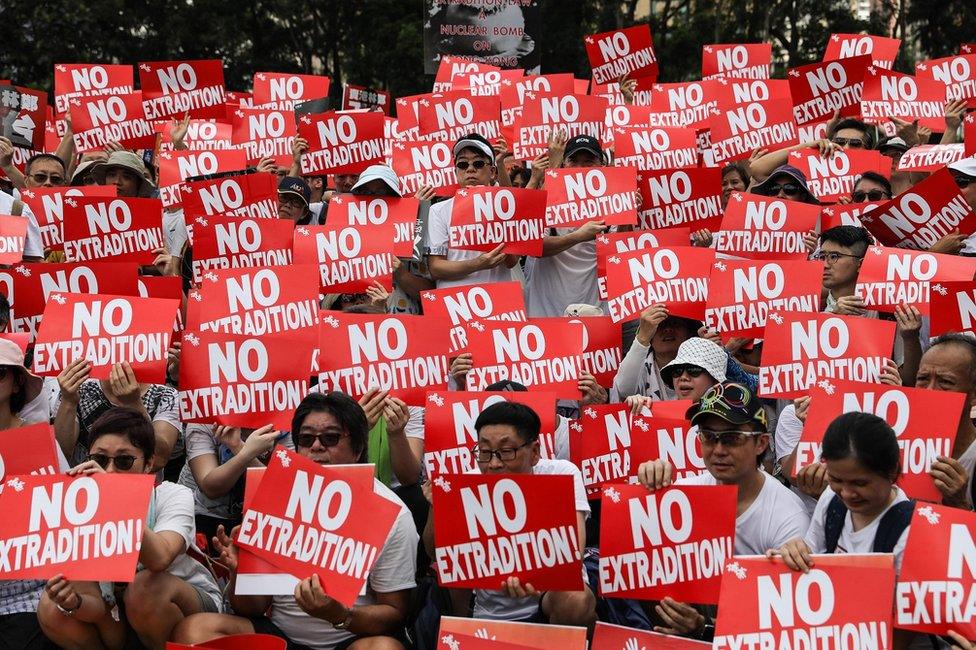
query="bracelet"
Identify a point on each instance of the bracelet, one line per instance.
(344, 623)
(70, 612)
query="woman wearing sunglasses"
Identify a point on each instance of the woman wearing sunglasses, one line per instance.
(699, 365)
(168, 586)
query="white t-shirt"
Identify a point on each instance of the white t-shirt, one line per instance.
(861, 541)
(562, 280)
(174, 231)
(174, 513)
(33, 247)
(438, 232)
(774, 517)
(394, 570)
(789, 428)
(494, 604)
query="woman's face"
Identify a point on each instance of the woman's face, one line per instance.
(868, 190)
(691, 383)
(863, 492)
(120, 450)
(8, 383)
(731, 182)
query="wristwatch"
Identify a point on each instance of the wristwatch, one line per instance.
(344, 623)
(70, 612)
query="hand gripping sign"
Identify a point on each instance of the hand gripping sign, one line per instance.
(801, 349)
(231, 243)
(505, 302)
(281, 91)
(243, 381)
(892, 276)
(924, 421)
(176, 166)
(530, 635)
(99, 119)
(834, 177)
(890, 94)
(13, 234)
(741, 294)
(84, 527)
(765, 604)
(364, 211)
(953, 307)
(451, 116)
(845, 46)
(484, 217)
(676, 277)
(739, 60)
(742, 128)
(31, 449)
(654, 148)
(542, 115)
(341, 143)
(106, 330)
(622, 52)
(116, 229)
(73, 80)
(820, 89)
(174, 88)
(520, 525)
(405, 355)
(674, 542)
(936, 590)
(612, 243)
(425, 163)
(956, 73)
(349, 258)
(629, 638)
(761, 227)
(541, 354)
(449, 432)
(264, 132)
(253, 196)
(577, 195)
(47, 204)
(922, 214)
(303, 519)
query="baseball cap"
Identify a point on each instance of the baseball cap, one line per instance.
(582, 309)
(296, 186)
(733, 402)
(583, 143)
(379, 173)
(474, 141)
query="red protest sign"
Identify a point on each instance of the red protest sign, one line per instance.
(281, 91)
(47, 204)
(763, 602)
(729, 91)
(956, 73)
(532, 635)
(890, 277)
(341, 143)
(243, 381)
(105, 330)
(688, 104)
(743, 60)
(256, 577)
(451, 116)
(451, 641)
(621, 242)
(264, 132)
(513, 95)
(924, 421)
(28, 287)
(672, 438)
(890, 94)
(621, 52)
(834, 177)
(681, 197)
(953, 307)
(648, 148)
(363, 211)
(230, 243)
(485, 83)
(641, 534)
(742, 294)
(845, 214)
(969, 134)
(102, 228)
(742, 128)
(576, 195)
(484, 217)
(250, 641)
(618, 636)
(451, 66)
(601, 349)
(13, 234)
(845, 46)
(405, 355)
(25, 117)
(820, 89)
(930, 157)
(174, 88)
(84, 527)
(937, 572)
(801, 348)
(425, 163)
(676, 277)
(88, 79)
(355, 97)
(540, 354)
(544, 114)
(163, 286)
(538, 510)
(248, 195)
(757, 227)
(601, 444)
(311, 505)
(449, 433)
(30, 449)
(201, 135)
(176, 166)
(505, 302)
(922, 214)
(99, 119)
(349, 258)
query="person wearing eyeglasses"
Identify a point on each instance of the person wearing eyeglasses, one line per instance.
(786, 182)
(699, 365)
(168, 586)
(851, 133)
(870, 187)
(44, 170)
(842, 251)
(474, 160)
(732, 429)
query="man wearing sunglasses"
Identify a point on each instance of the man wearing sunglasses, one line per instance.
(44, 170)
(732, 429)
(474, 160)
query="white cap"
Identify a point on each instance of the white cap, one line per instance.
(965, 166)
(379, 173)
(700, 352)
(474, 141)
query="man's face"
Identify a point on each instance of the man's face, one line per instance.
(519, 458)
(843, 271)
(126, 181)
(730, 463)
(333, 444)
(850, 139)
(582, 159)
(290, 206)
(344, 182)
(468, 174)
(45, 173)
(946, 367)
(967, 186)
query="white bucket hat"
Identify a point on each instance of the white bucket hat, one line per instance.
(379, 173)
(700, 352)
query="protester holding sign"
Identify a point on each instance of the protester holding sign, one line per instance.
(126, 171)
(656, 343)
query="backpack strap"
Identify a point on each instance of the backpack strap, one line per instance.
(18, 208)
(892, 525)
(834, 523)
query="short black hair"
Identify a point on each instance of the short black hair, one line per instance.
(962, 340)
(525, 421)
(853, 237)
(736, 168)
(854, 123)
(347, 412)
(127, 422)
(866, 438)
(875, 177)
(43, 156)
